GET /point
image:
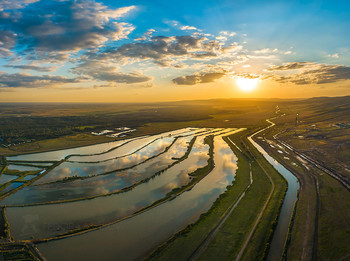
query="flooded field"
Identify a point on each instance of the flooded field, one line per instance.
(146, 148)
(6, 178)
(22, 168)
(12, 186)
(149, 229)
(99, 185)
(109, 187)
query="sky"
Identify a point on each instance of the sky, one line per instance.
(150, 51)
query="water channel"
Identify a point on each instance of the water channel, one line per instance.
(281, 231)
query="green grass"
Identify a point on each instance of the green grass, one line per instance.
(61, 126)
(184, 243)
(16, 252)
(330, 145)
(70, 141)
(228, 241)
(15, 172)
(3, 164)
(4, 226)
(300, 240)
(258, 246)
(334, 225)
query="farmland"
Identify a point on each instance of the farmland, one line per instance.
(217, 183)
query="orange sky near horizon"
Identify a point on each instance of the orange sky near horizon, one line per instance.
(161, 93)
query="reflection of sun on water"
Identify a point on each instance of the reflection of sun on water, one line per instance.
(247, 84)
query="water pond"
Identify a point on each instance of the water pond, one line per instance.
(66, 216)
(151, 228)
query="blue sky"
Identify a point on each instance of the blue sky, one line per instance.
(121, 48)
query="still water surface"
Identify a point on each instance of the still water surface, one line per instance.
(281, 231)
(135, 237)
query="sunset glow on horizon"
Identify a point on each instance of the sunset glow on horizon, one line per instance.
(104, 51)
(247, 84)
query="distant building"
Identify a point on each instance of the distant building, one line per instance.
(297, 121)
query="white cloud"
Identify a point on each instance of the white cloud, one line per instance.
(187, 27)
(336, 55)
(15, 4)
(302, 73)
(46, 28)
(266, 51)
(227, 33)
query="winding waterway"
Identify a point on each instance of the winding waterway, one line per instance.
(281, 231)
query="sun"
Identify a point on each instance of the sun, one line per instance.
(247, 84)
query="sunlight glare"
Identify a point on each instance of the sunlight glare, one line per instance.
(247, 84)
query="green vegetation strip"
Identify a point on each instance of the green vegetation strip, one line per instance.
(29, 182)
(334, 225)
(290, 228)
(16, 163)
(4, 225)
(3, 164)
(18, 251)
(231, 236)
(17, 173)
(259, 243)
(184, 243)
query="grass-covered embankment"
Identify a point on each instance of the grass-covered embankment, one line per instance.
(231, 236)
(20, 251)
(29, 182)
(259, 243)
(320, 226)
(3, 164)
(184, 243)
(4, 225)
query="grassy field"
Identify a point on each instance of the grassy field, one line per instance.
(3, 164)
(183, 244)
(316, 134)
(59, 126)
(302, 234)
(259, 243)
(234, 230)
(4, 226)
(17, 252)
(321, 225)
(334, 225)
(64, 142)
(228, 241)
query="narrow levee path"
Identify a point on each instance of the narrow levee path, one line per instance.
(204, 245)
(239, 256)
(281, 231)
(304, 228)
